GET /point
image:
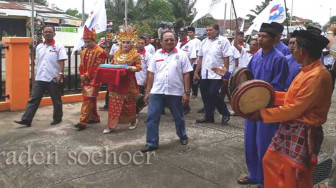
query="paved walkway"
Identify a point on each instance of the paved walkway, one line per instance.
(214, 156)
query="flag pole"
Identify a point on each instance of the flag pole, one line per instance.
(225, 19)
(235, 13)
(126, 2)
(291, 16)
(286, 16)
(83, 14)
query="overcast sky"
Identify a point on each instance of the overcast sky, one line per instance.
(316, 10)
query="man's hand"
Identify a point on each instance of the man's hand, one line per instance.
(84, 80)
(255, 116)
(59, 78)
(146, 97)
(185, 99)
(196, 77)
(220, 71)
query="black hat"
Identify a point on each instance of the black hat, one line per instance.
(314, 29)
(182, 30)
(310, 39)
(268, 28)
(278, 27)
(294, 34)
(191, 29)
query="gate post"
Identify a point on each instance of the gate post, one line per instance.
(17, 71)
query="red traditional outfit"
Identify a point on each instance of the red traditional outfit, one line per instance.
(90, 61)
(292, 154)
(123, 98)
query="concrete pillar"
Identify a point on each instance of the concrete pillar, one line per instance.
(17, 71)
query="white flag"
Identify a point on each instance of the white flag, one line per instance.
(274, 12)
(213, 7)
(97, 20)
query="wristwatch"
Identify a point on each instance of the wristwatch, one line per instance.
(60, 73)
(187, 92)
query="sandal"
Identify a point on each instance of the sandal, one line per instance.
(245, 181)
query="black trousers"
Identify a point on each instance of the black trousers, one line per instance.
(140, 102)
(194, 85)
(40, 87)
(212, 98)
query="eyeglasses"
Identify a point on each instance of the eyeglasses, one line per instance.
(255, 45)
(171, 40)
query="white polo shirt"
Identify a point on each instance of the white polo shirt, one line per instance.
(213, 52)
(168, 72)
(245, 58)
(114, 48)
(232, 58)
(48, 56)
(150, 48)
(141, 76)
(191, 48)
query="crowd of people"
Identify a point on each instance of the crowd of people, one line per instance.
(281, 143)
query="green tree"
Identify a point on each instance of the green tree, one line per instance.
(75, 13)
(41, 2)
(182, 10)
(332, 20)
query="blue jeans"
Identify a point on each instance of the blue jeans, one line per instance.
(155, 106)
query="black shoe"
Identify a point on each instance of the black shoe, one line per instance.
(225, 119)
(23, 122)
(205, 120)
(54, 122)
(77, 125)
(184, 140)
(81, 127)
(202, 110)
(148, 148)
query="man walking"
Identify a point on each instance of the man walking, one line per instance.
(91, 57)
(214, 52)
(51, 56)
(168, 83)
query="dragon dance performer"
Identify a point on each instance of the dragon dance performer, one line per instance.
(91, 57)
(123, 98)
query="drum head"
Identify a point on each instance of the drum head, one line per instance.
(239, 76)
(251, 96)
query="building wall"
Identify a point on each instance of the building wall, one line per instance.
(13, 27)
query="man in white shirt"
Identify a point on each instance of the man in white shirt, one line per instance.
(149, 47)
(183, 40)
(168, 83)
(141, 76)
(192, 48)
(214, 52)
(51, 56)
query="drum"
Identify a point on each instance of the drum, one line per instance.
(238, 76)
(251, 96)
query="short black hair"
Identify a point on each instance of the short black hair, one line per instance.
(175, 36)
(143, 38)
(49, 26)
(215, 26)
(191, 29)
(240, 33)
